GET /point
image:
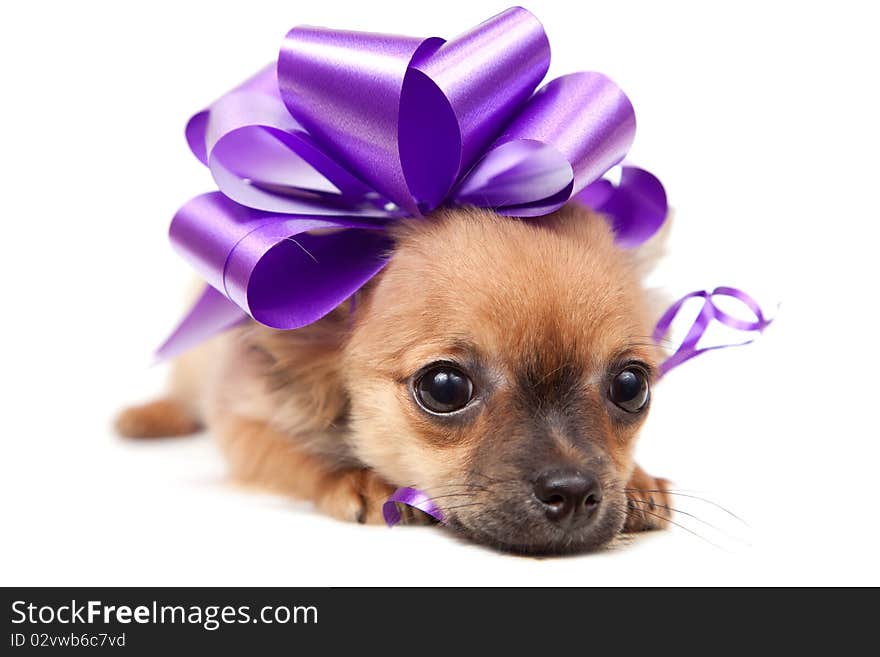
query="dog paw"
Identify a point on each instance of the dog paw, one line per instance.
(354, 496)
(647, 503)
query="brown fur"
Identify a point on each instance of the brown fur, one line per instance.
(539, 311)
(157, 419)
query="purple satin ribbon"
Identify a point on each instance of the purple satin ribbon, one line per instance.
(413, 498)
(708, 313)
(348, 131)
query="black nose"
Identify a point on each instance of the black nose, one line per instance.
(568, 493)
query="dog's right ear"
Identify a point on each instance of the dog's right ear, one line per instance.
(301, 370)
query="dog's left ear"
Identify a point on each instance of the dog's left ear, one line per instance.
(580, 222)
(647, 255)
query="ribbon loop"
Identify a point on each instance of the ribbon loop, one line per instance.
(277, 269)
(689, 346)
(345, 88)
(262, 158)
(408, 115)
(447, 116)
(572, 131)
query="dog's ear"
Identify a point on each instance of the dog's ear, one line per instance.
(301, 370)
(579, 222)
(647, 255)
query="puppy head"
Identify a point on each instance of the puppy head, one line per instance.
(504, 367)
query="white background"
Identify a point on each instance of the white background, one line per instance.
(759, 117)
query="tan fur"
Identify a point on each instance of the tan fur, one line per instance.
(325, 412)
(157, 419)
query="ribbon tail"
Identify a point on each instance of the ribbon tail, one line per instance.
(212, 314)
(411, 497)
(689, 347)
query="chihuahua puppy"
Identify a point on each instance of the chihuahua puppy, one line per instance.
(502, 366)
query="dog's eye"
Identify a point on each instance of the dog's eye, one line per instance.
(443, 389)
(629, 389)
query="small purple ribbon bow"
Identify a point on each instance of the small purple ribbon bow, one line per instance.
(348, 131)
(708, 313)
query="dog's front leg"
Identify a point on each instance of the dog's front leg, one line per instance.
(647, 502)
(263, 456)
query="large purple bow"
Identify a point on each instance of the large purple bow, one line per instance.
(314, 156)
